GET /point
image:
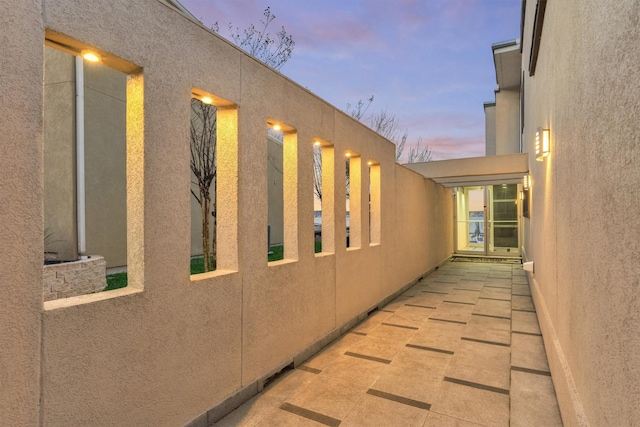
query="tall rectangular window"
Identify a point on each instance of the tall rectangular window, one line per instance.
(213, 161)
(204, 168)
(353, 177)
(323, 176)
(374, 202)
(93, 148)
(282, 192)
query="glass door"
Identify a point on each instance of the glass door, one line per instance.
(504, 220)
(487, 220)
(470, 221)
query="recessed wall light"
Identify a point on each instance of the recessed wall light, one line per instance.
(90, 56)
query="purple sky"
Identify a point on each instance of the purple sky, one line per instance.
(427, 61)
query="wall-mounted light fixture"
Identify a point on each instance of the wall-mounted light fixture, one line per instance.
(526, 182)
(542, 144)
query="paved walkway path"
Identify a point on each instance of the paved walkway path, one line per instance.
(460, 348)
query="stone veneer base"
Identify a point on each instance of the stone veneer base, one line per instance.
(70, 279)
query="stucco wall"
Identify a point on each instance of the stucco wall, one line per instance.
(166, 348)
(105, 163)
(583, 231)
(507, 115)
(104, 158)
(59, 154)
(21, 210)
(490, 129)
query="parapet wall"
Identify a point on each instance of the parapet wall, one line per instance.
(170, 346)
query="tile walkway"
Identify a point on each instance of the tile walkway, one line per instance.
(460, 348)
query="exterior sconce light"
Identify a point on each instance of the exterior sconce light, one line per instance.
(90, 56)
(369, 163)
(276, 127)
(347, 154)
(317, 143)
(206, 100)
(526, 182)
(542, 144)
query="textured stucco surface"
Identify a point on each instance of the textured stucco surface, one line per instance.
(21, 210)
(490, 129)
(585, 204)
(167, 348)
(507, 128)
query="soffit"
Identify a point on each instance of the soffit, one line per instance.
(488, 170)
(507, 60)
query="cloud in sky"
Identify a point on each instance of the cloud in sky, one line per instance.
(429, 62)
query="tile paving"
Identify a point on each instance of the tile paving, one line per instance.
(460, 348)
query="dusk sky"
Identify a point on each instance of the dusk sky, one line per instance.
(427, 61)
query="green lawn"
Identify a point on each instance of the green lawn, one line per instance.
(119, 280)
(277, 253)
(116, 281)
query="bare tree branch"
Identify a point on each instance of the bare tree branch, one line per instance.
(273, 51)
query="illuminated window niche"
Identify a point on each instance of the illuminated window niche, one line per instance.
(213, 169)
(374, 202)
(93, 153)
(353, 178)
(323, 191)
(282, 192)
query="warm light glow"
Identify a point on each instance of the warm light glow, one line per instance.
(316, 143)
(525, 182)
(90, 56)
(276, 127)
(369, 163)
(542, 144)
(347, 154)
(206, 100)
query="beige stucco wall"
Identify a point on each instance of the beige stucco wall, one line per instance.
(583, 232)
(59, 154)
(166, 348)
(105, 163)
(490, 129)
(507, 115)
(21, 210)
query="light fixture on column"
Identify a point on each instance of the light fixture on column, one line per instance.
(526, 182)
(542, 144)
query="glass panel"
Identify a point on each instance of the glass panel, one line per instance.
(471, 224)
(504, 219)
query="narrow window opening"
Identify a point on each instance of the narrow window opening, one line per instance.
(213, 142)
(93, 139)
(204, 168)
(353, 179)
(323, 178)
(374, 202)
(282, 192)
